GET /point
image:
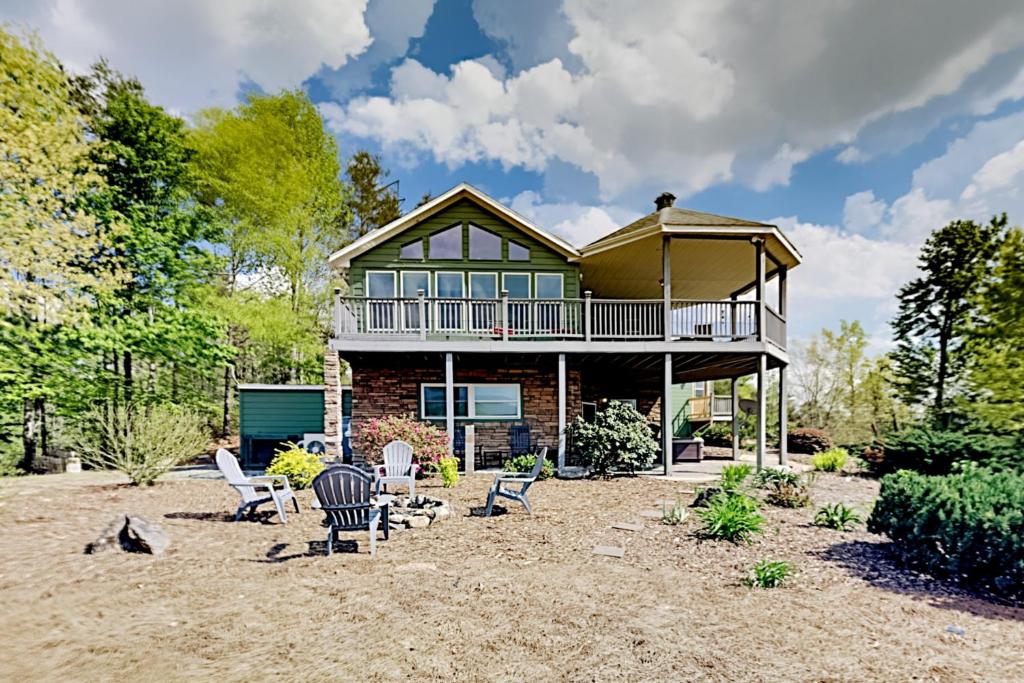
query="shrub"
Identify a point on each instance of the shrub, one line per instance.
(525, 463)
(784, 488)
(677, 515)
(449, 468)
(143, 442)
(932, 451)
(808, 440)
(731, 517)
(769, 574)
(838, 517)
(618, 437)
(718, 434)
(734, 476)
(771, 475)
(832, 460)
(295, 463)
(968, 525)
(429, 443)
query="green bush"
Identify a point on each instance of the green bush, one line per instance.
(618, 438)
(784, 488)
(968, 525)
(734, 476)
(449, 468)
(677, 515)
(295, 463)
(731, 517)
(838, 517)
(718, 434)
(525, 463)
(932, 451)
(808, 440)
(769, 574)
(143, 442)
(832, 460)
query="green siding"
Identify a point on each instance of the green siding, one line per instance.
(269, 412)
(681, 394)
(386, 256)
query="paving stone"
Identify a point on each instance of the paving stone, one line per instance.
(628, 526)
(609, 551)
(651, 514)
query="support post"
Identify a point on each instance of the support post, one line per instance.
(759, 277)
(666, 417)
(734, 333)
(587, 316)
(332, 403)
(449, 401)
(666, 278)
(783, 291)
(561, 412)
(421, 311)
(762, 380)
(337, 313)
(504, 315)
(783, 418)
(735, 419)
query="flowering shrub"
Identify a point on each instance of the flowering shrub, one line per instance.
(429, 443)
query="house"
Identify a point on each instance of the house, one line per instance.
(465, 313)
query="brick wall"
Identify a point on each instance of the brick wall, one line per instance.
(380, 389)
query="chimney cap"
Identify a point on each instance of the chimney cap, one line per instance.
(664, 200)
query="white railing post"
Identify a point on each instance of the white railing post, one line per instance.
(587, 308)
(504, 315)
(421, 311)
(337, 312)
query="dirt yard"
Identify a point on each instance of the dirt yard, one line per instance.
(512, 597)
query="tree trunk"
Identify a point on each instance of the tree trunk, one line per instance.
(29, 435)
(225, 427)
(127, 377)
(940, 388)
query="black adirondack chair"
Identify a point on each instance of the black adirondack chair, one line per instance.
(519, 439)
(344, 495)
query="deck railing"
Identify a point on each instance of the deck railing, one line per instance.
(721, 406)
(586, 318)
(775, 327)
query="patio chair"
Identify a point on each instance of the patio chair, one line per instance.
(398, 467)
(511, 479)
(256, 491)
(519, 439)
(344, 495)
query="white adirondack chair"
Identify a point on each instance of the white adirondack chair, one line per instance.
(398, 467)
(255, 491)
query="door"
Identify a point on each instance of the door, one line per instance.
(451, 294)
(549, 313)
(518, 287)
(412, 282)
(483, 304)
(380, 301)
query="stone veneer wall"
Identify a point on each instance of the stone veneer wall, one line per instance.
(379, 390)
(332, 402)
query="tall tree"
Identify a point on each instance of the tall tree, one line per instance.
(997, 372)
(935, 311)
(373, 203)
(52, 248)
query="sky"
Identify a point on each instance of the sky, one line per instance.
(855, 126)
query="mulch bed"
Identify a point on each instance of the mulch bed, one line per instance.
(511, 597)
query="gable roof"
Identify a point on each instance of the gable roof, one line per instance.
(343, 257)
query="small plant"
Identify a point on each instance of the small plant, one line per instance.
(789, 493)
(525, 463)
(838, 517)
(143, 442)
(731, 517)
(832, 460)
(449, 468)
(676, 516)
(295, 463)
(734, 476)
(769, 574)
(769, 476)
(808, 440)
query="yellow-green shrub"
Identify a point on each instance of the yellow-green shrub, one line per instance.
(832, 460)
(449, 467)
(295, 463)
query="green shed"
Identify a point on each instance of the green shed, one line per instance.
(270, 414)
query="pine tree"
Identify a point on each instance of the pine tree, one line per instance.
(373, 204)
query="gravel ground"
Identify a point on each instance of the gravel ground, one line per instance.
(512, 597)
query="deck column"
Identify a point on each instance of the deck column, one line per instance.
(421, 311)
(449, 401)
(735, 419)
(783, 290)
(561, 412)
(783, 418)
(759, 286)
(666, 278)
(666, 417)
(762, 372)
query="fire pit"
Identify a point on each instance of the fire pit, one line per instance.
(417, 512)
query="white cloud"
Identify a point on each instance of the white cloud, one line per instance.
(688, 94)
(851, 155)
(195, 53)
(862, 211)
(577, 223)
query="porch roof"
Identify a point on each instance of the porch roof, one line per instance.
(712, 256)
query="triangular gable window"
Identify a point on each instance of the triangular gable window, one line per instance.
(484, 245)
(517, 252)
(447, 244)
(412, 250)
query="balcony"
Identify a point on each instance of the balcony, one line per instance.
(710, 408)
(522, 320)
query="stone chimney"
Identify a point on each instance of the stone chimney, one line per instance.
(664, 200)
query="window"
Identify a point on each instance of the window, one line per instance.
(473, 401)
(518, 287)
(548, 318)
(449, 313)
(412, 250)
(483, 285)
(631, 402)
(412, 282)
(450, 285)
(447, 244)
(483, 315)
(700, 389)
(380, 284)
(549, 285)
(380, 306)
(517, 252)
(484, 245)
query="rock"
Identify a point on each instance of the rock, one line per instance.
(418, 522)
(420, 499)
(609, 551)
(701, 501)
(430, 512)
(573, 473)
(131, 534)
(396, 519)
(442, 512)
(628, 526)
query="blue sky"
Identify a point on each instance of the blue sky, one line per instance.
(856, 127)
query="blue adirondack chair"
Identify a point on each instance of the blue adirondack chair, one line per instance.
(505, 482)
